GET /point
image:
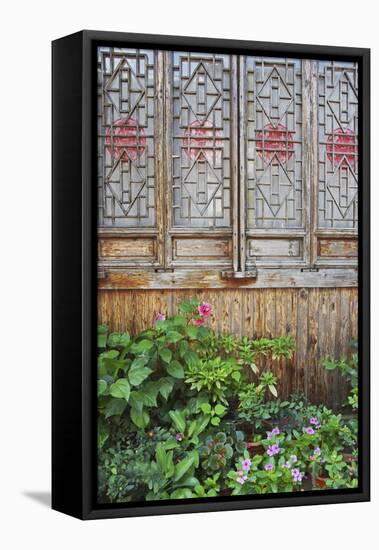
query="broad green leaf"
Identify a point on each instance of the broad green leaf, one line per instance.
(114, 407)
(236, 376)
(192, 331)
(188, 481)
(191, 358)
(183, 466)
(170, 444)
(117, 339)
(173, 336)
(186, 307)
(178, 419)
(183, 348)
(175, 369)
(102, 433)
(165, 354)
(102, 331)
(161, 457)
(112, 366)
(101, 387)
(142, 346)
(206, 408)
(149, 393)
(120, 389)
(179, 320)
(215, 420)
(165, 387)
(140, 418)
(161, 325)
(220, 409)
(201, 424)
(136, 400)
(137, 376)
(139, 362)
(111, 354)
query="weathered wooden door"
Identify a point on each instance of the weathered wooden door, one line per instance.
(233, 178)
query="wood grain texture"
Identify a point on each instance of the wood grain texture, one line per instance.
(322, 321)
(338, 248)
(203, 277)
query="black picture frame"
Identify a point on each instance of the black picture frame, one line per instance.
(74, 275)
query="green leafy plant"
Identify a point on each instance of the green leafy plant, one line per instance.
(177, 404)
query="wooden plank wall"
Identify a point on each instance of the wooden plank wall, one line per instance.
(323, 322)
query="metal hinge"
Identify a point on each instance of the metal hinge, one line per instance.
(251, 274)
(164, 270)
(309, 269)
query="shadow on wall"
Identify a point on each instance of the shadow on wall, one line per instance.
(41, 497)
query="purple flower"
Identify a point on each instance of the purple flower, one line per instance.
(287, 465)
(275, 431)
(309, 430)
(314, 420)
(179, 436)
(273, 450)
(159, 317)
(293, 458)
(269, 466)
(246, 464)
(296, 474)
(241, 479)
(317, 451)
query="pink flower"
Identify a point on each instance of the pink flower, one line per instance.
(204, 309)
(199, 321)
(309, 430)
(159, 317)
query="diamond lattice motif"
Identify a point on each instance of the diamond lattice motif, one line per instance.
(201, 85)
(343, 101)
(275, 187)
(124, 89)
(274, 97)
(202, 184)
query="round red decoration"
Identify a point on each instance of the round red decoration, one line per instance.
(342, 147)
(200, 136)
(125, 140)
(275, 143)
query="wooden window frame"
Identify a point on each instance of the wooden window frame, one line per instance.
(152, 260)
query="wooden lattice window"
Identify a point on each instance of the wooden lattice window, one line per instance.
(246, 167)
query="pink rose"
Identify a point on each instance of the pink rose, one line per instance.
(204, 309)
(199, 321)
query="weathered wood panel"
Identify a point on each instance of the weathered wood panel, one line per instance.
(203, 277)
(323, 322)
(338, 248)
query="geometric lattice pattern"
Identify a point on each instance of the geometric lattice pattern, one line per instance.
(126, 86)
(201, 104)
(274, 143)
(338, 145)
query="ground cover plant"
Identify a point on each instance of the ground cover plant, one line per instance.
(184, 412)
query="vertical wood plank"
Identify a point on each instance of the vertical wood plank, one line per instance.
(322, 321)
(301, 362)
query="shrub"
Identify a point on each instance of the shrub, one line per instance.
(171, 404)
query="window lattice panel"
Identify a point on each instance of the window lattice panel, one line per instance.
(201, 103)
(274, 143)
(126, 187)
(338, 145)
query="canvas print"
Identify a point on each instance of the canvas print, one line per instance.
(227, 275)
